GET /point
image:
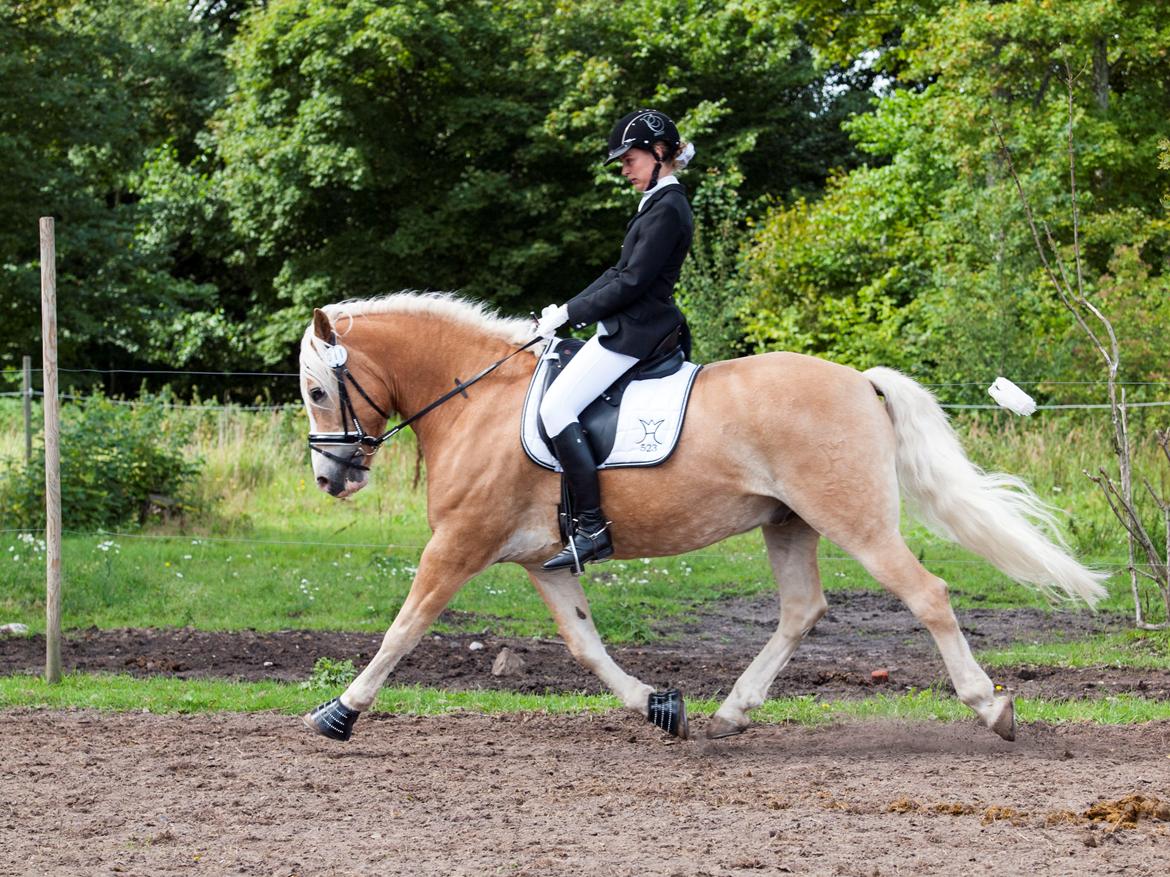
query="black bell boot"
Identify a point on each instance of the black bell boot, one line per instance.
(591, 536)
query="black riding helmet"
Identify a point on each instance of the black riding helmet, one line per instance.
(642, 128)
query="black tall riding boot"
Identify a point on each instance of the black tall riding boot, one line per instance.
(590, 540)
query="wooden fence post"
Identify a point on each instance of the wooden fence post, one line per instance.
(26, 396)
(52, 452)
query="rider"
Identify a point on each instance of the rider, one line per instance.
(633, 304)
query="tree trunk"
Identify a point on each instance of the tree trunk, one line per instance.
(1101, 73)
(1101, 93)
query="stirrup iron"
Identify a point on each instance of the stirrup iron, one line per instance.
(571, 555)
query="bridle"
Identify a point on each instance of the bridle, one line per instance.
(336, 357)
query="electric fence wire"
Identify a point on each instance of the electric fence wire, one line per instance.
(15, 372)
(155, 371)
(954, 406)
(130, 403)
(231, 374)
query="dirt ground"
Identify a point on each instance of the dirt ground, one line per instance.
(84, 793)
(87, 793)
(864, 631)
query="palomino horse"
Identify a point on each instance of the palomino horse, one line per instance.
(798, 446)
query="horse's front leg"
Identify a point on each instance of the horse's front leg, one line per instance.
(445, 567)
(565, 598)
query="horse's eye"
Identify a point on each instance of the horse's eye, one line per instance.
(316, 394)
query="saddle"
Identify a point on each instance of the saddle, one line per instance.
(636, 422)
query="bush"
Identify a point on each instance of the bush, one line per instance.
(710, 289)
(329, 674)
(119, 463)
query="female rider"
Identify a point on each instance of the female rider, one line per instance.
(633, 304)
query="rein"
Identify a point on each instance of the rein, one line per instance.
(336, 357)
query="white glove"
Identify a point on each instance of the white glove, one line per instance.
(551, 318)
(1011, 397)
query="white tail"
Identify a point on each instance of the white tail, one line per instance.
(995, 515)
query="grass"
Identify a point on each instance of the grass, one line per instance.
(929, 705)
(164, 695)
(269, 551)
(1134, 649)
(345, 579)
(266, 550)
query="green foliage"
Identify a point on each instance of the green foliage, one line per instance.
(217, 169)
(838, 277)
(924, 259)
(441, 144)
(113, 458)
(329, 674)
(90, 90)
(709, 289)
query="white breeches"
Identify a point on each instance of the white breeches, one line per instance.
(588, 375)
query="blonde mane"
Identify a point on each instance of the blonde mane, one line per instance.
(444, 305)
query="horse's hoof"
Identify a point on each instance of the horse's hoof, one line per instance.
(333, 720)
(719, 727)
(1005, 722)
(668, 712)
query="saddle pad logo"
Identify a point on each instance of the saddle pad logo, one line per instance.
(650, 442)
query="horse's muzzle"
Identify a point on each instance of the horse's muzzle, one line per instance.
(341, 476)
(338, 484)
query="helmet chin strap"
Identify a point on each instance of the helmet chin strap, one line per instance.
(654, 176)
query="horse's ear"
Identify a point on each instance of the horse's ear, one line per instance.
(322, 326)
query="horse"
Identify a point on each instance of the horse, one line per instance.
(797, 446)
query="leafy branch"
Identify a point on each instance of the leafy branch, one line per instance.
(1099, 329)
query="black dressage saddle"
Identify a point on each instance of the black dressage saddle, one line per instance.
(599, 420)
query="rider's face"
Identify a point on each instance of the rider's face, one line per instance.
(638, 167)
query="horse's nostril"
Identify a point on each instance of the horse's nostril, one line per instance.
(322, 482)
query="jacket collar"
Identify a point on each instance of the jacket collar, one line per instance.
(663, 184)
(655, 197)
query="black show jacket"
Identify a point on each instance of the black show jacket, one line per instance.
(634, 299)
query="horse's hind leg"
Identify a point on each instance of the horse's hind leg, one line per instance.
(892, 563)
(565, 598)
(792, 551)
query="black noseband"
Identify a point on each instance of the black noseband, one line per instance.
(337, 356)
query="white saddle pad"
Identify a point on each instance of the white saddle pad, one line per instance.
(650, 418)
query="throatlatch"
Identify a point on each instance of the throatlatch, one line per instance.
(668, 712)
(333, 719)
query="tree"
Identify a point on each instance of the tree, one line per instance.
(1067, 279)
(940, 204)
(89, 92)
(455, 145)
(217, 166)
